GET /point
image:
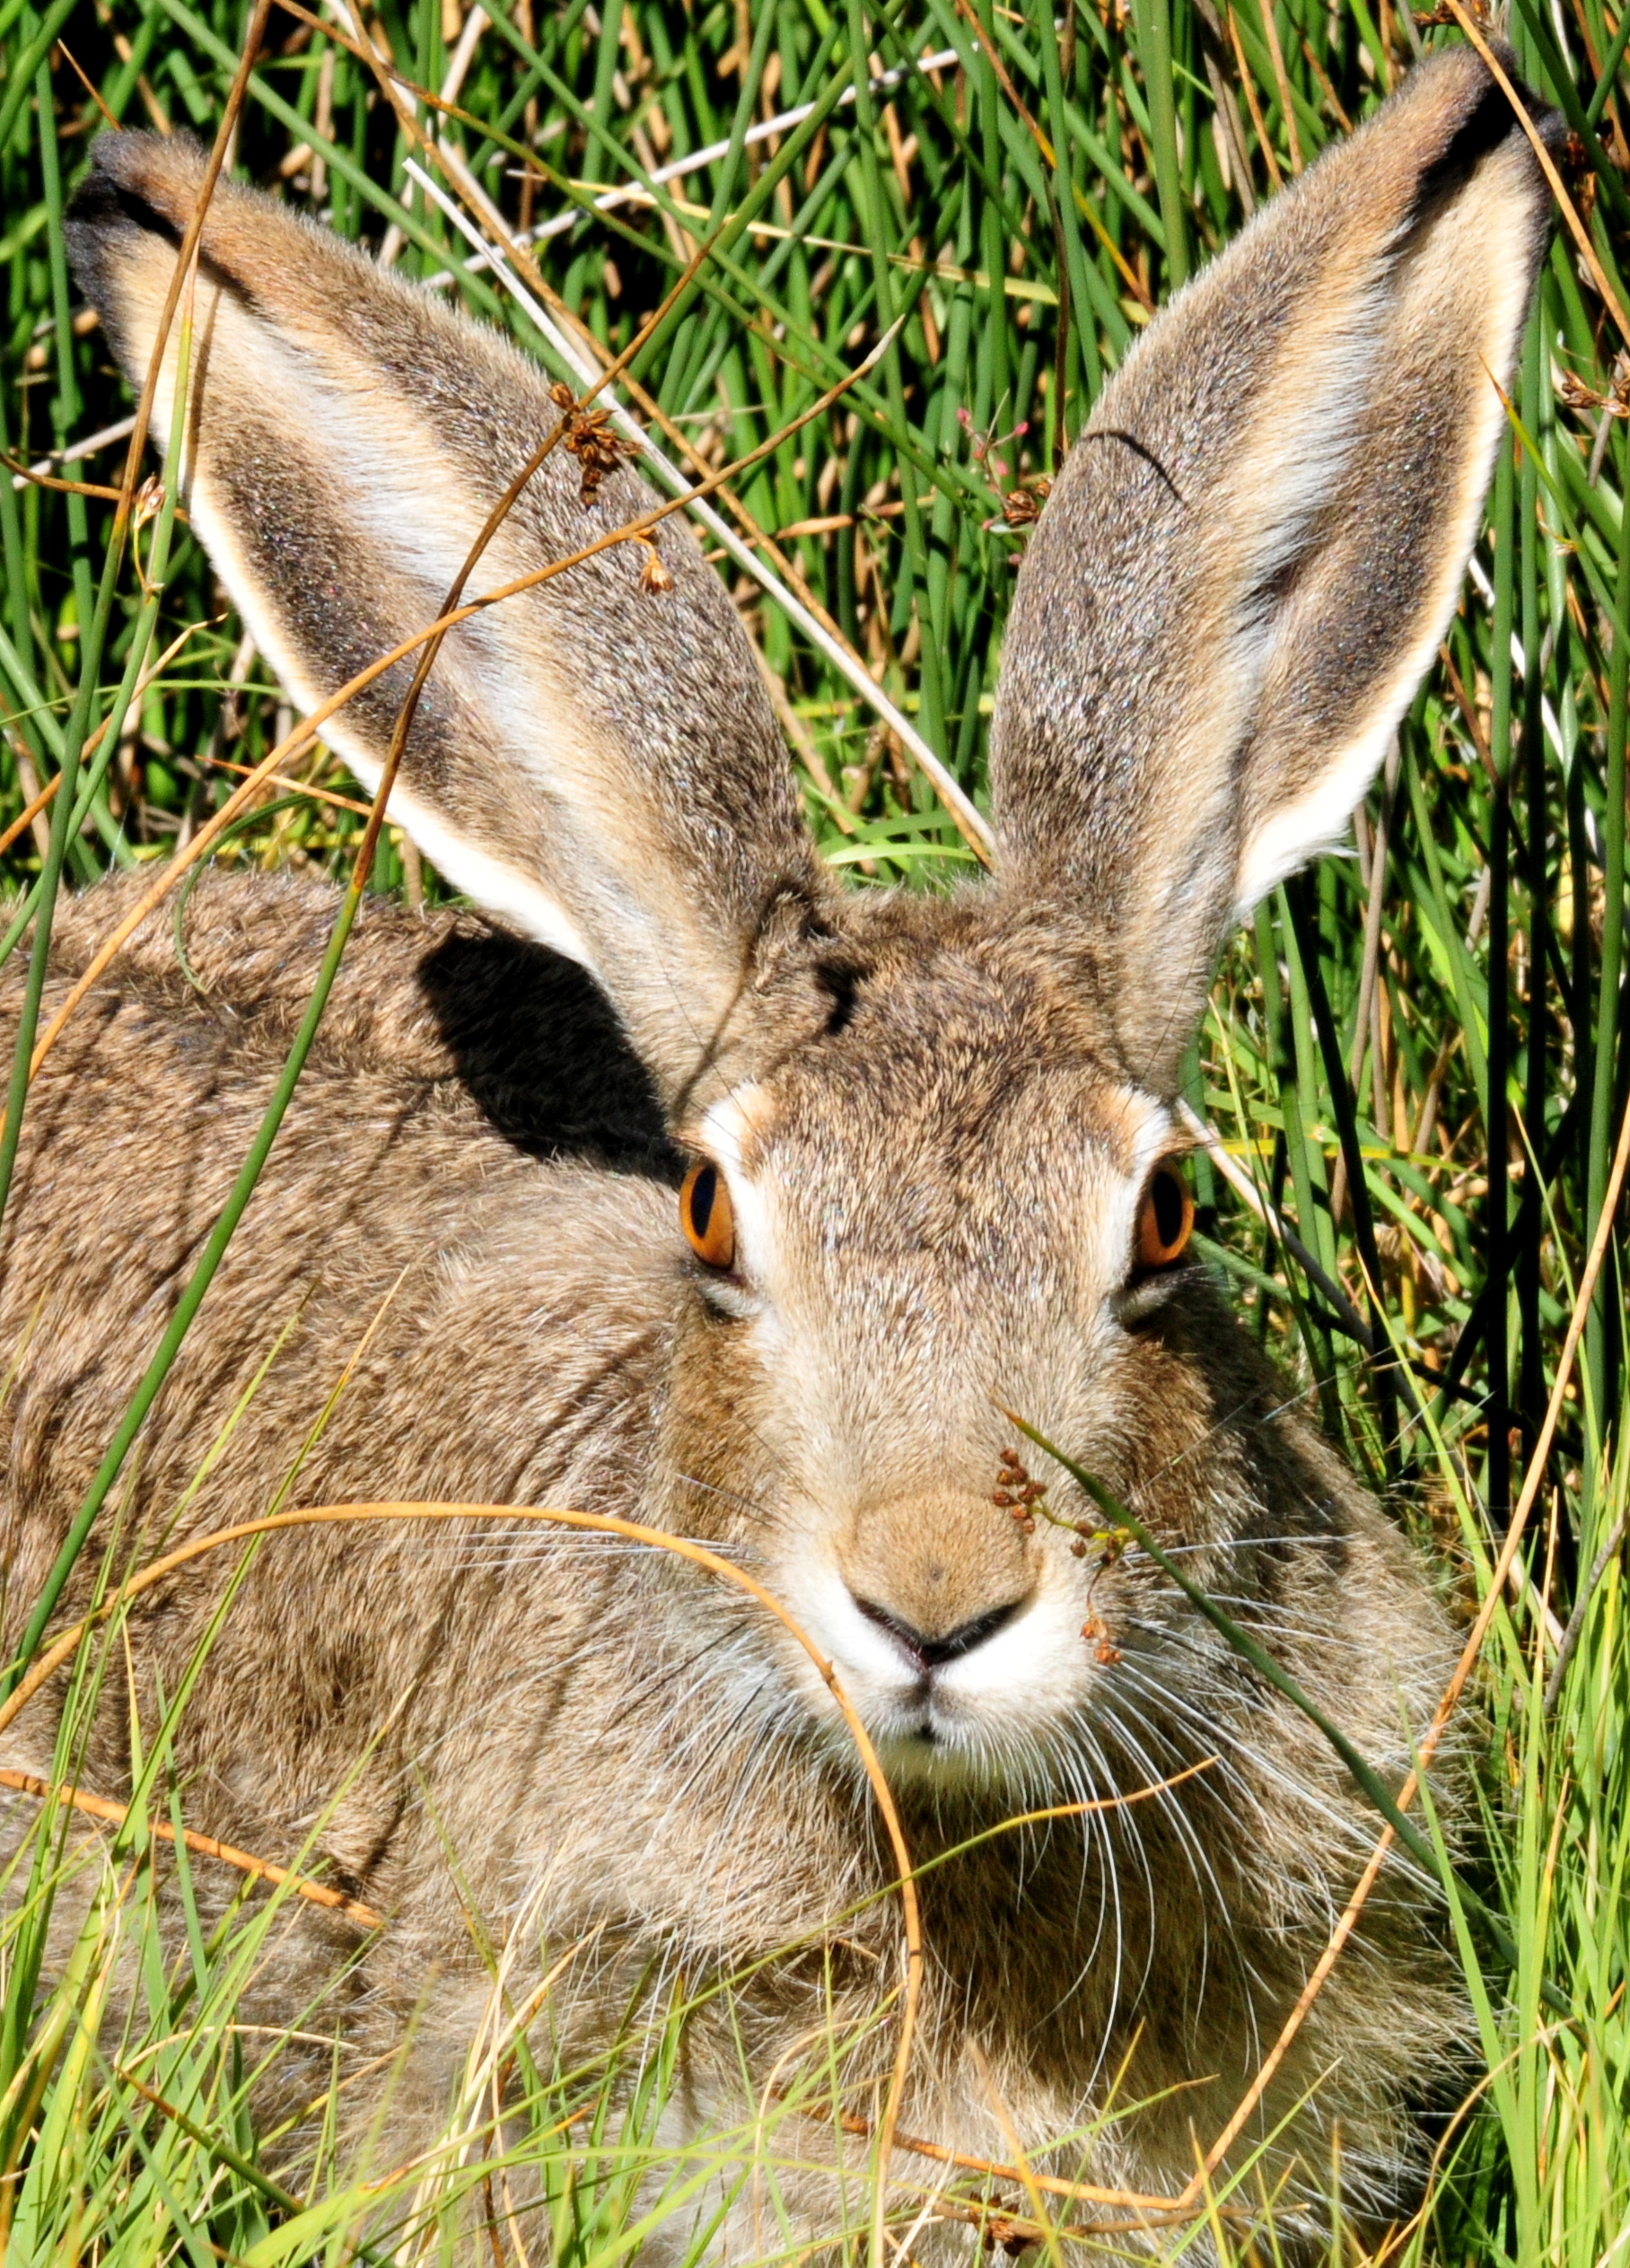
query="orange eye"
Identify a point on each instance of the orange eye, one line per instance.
(1164, 1219)
(705, 1216)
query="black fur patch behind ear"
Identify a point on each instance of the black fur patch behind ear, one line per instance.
(100, 209)
(539, 1050)
(840, 982)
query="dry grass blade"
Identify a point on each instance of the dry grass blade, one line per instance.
(30, 812)
(1054, 2184)
(80, 1799)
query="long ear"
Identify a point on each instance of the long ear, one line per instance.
(1254, 549)
(595, 760)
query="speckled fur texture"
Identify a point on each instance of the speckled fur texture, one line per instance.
(936, 1118)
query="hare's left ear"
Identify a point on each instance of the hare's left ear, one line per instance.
(1253, 551)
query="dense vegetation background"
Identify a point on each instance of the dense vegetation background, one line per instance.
(1414, 1066)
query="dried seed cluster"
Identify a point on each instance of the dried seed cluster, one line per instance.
(1003, 2231)
(1017, 1495)
(1576, 395)
(1022, 1499)
(587, 436)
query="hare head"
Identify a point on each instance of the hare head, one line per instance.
(926, 1143)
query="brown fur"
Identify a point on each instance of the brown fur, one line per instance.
(935, 1117)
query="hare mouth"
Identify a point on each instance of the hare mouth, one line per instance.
(943, 1708)
(929, 1734)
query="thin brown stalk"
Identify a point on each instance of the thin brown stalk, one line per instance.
(291, 787)
(1249, 84)
(25, 473)
(29, 812)
(28, 1783)
(1346, 1921)
(1078, 2192)
(1282, 81)
(77, 68)
(1323, 77)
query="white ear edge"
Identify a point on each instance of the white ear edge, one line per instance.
(498, 887)
(1276, 495)
(1286, 841)
(493, 884)
(501, 888)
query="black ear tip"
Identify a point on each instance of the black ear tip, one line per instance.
(92, 217)
(136, 173)
(116, 200)
(1547, 122)
(1484, 118)
(121, 158)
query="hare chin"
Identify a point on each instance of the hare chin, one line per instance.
(929, 1749)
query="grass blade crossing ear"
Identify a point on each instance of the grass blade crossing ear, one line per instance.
(1250, 556)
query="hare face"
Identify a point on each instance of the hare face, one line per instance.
(933, 1227)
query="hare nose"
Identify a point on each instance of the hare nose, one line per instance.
(928, 1653)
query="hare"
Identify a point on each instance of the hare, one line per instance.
(682, 1184)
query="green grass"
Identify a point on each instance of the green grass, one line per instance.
(1464, 1104)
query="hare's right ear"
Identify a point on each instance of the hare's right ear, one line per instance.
(1254, 549)
(596, 759)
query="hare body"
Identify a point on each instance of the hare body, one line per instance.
(934, 1122)
(421, 1255)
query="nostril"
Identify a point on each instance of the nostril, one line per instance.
(933, 1653)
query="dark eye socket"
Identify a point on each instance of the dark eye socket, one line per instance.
(1165, 1218)
(706, 1217)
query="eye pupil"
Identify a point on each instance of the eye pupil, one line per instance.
(702, 1191)
(1167, 1195)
